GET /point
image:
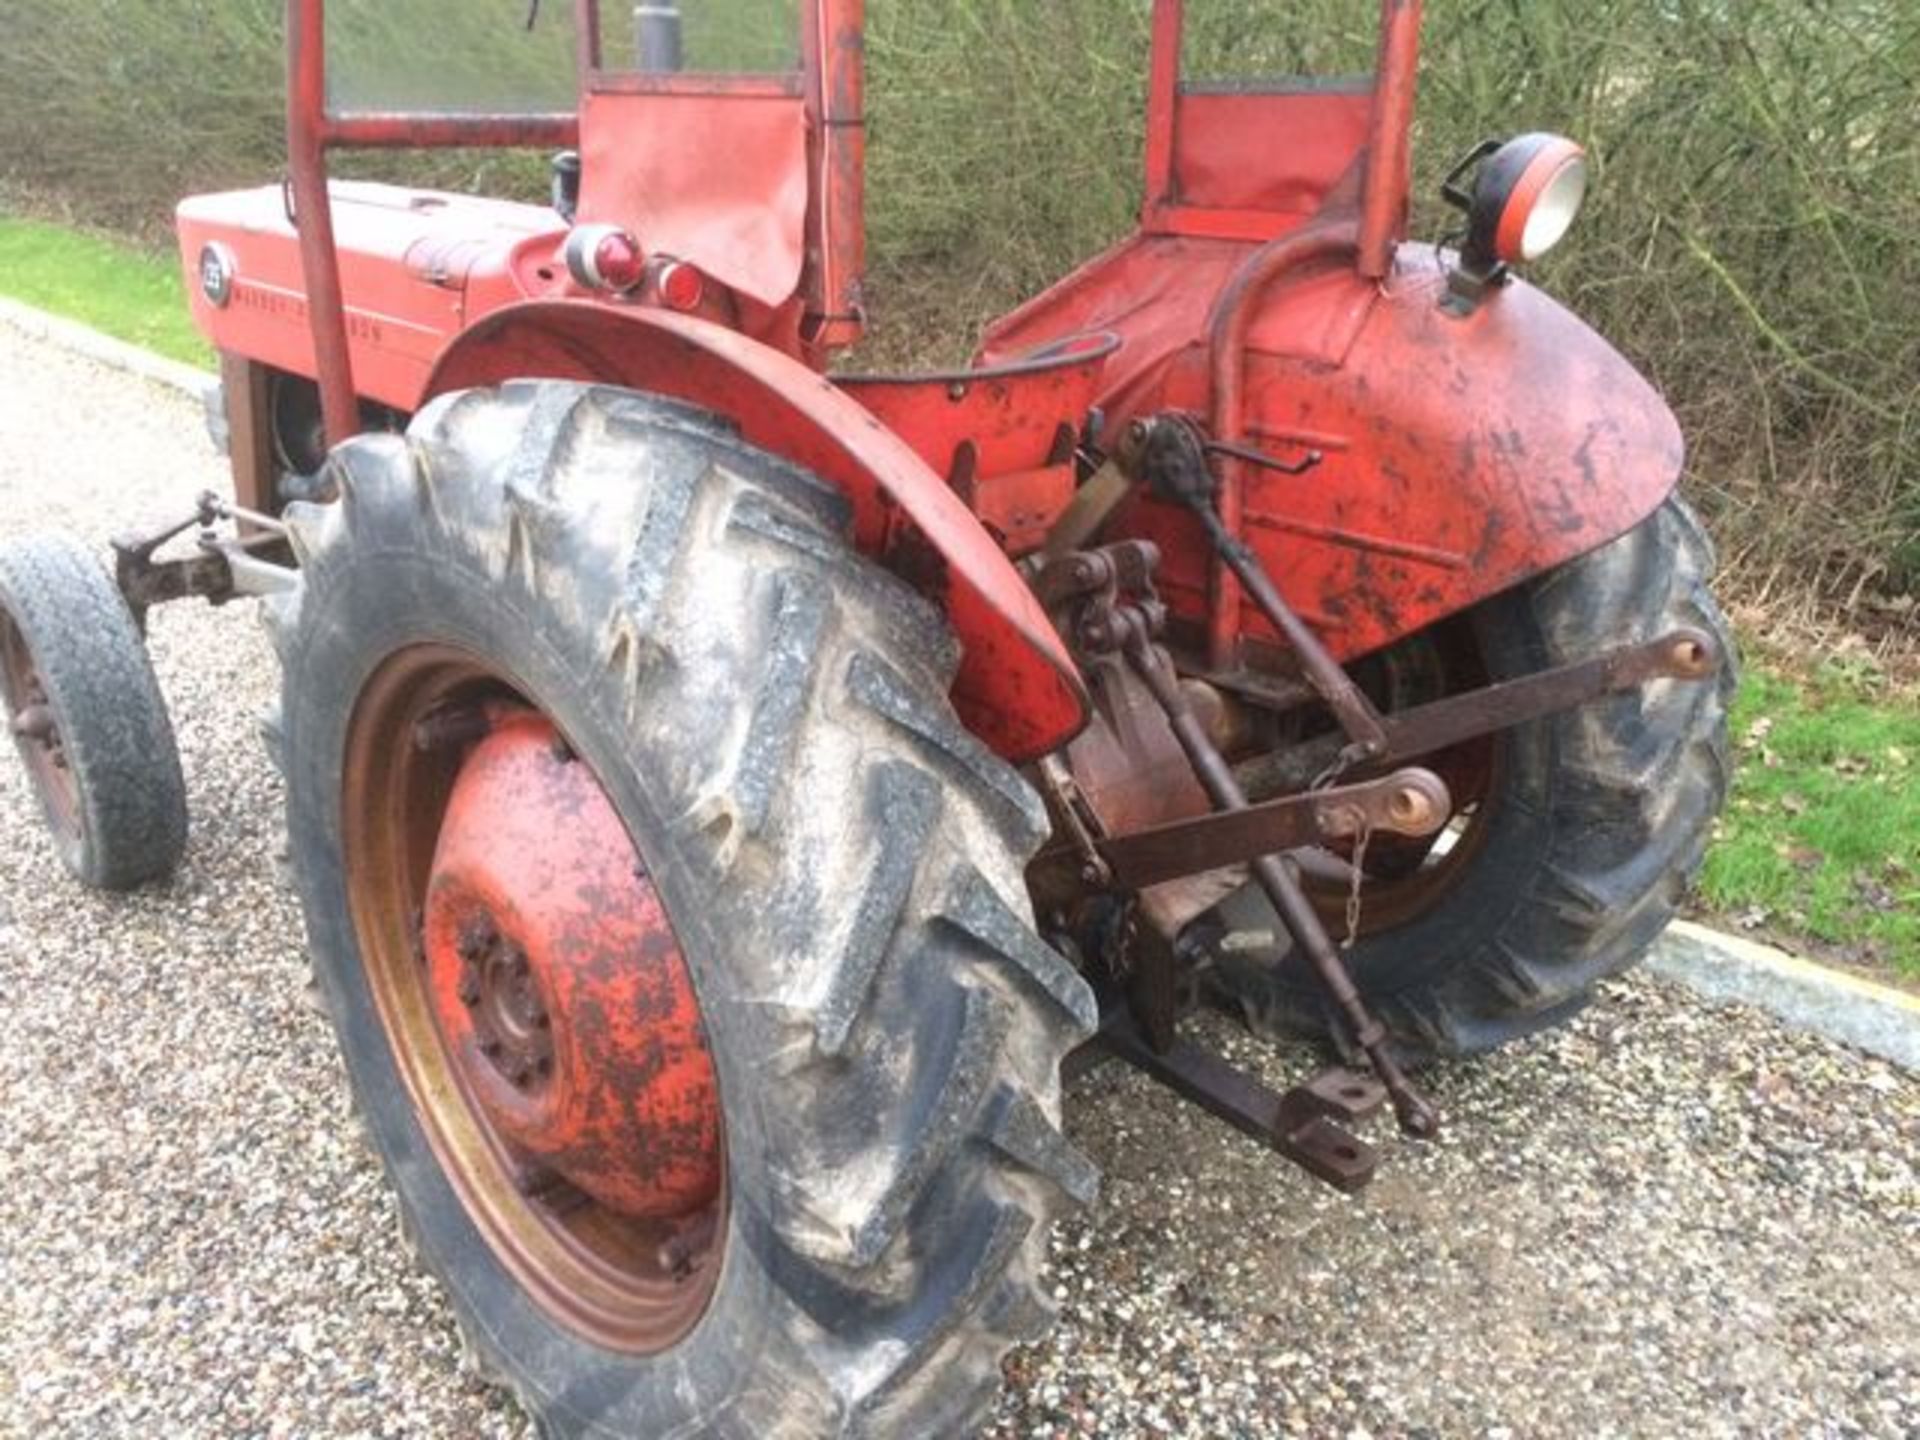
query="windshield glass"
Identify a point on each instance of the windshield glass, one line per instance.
(1244, 40)
(710, 37)
(451, 56)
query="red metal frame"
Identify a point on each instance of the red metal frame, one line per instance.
(1383, 212)
(1268, 289)
(831, 84)
(1227, 327)
(1385, 179)
(312, 129)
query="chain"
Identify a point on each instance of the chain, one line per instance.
(1359, 863)
(1327, 776)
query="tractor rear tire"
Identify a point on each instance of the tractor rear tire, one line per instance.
(1591, 837)
(88, 716)
(766, 712)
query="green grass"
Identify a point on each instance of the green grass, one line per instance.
(1821, 839)
(133, 294)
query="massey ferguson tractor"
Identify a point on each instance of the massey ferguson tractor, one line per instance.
(727, 793)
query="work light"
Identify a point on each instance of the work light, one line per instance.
(1523, 200)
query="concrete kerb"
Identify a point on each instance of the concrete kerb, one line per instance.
(1857, 1012)
(90, 344)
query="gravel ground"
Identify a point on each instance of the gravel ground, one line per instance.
(1663, 1219)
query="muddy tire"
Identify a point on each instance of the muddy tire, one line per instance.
(843, 863)
(1595, 829)
(87, 715)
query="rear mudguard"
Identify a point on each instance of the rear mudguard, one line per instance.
(1017, 689)
(1459, 455)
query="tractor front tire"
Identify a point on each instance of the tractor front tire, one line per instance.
(88, 717)
(842, 862)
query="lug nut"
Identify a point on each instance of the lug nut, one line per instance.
(477, 937)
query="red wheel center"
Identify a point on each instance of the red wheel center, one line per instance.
(559, 985)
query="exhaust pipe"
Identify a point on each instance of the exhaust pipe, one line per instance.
(656, 36)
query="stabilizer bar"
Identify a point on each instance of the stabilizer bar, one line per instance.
(1683, 653)
(1407, 802)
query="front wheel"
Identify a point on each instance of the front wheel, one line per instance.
(1578, 833)
(673, 928)
(80, 698)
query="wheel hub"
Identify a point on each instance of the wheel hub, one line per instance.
(558, 984)
(510, 1019)
(31, 723)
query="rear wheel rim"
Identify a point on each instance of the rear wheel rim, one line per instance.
(30, 720)
(629, 1282)
(1474, 772)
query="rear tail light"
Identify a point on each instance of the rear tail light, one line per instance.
(604, 257)
(681, 286)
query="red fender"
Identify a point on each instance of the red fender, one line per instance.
(1460, 455)
(1018, 689)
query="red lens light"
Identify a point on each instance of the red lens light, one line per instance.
(682, 287)
(604, 257)
(618, 261)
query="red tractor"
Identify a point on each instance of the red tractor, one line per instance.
(727, 794)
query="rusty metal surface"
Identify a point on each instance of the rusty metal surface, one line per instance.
(1004, 436)
(1298, 1123)
(1514, 440)
(1212, 169)
(1228, 325)
(1170, 454)
(36, 733)
(145, 582)
(1105, 601)
(535, 1000)
(1414, 1112)
(742, 222)
(834, 54)
(245, 392)
(1407, 802)
(256, 560)
(1460, 456)
(559, 985)
(1683, 654)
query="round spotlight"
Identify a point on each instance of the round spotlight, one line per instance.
(1525, 198)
